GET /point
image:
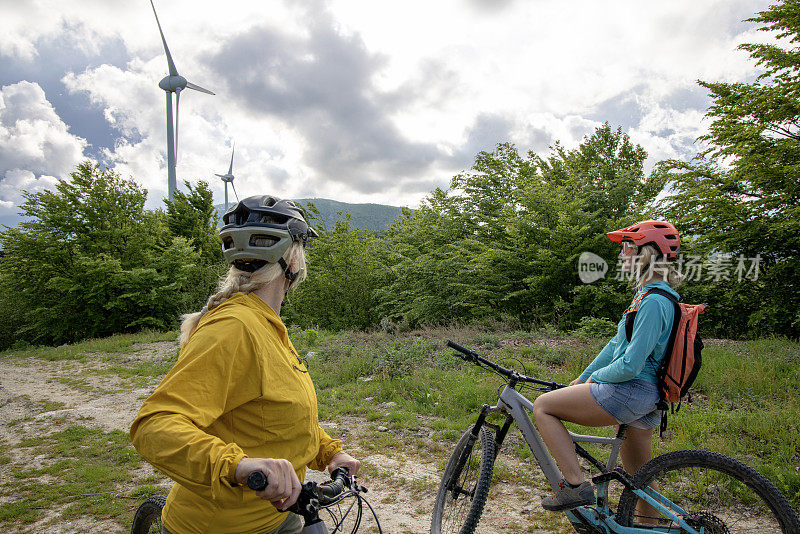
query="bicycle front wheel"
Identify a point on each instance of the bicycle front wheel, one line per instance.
(714, 491)
(148, 516)
(465, 484)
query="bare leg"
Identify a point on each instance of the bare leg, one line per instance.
(574, 404)
(637, 450)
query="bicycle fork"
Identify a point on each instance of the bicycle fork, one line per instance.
(499, 432)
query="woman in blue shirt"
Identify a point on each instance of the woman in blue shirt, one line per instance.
(620, 385)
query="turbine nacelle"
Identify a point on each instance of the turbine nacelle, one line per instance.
(225, 177)
(173, 83)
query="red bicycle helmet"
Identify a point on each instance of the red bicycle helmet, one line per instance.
(662, 235)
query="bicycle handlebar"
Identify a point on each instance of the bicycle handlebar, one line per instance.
(311, 493)
(473, 357)
(340, 480)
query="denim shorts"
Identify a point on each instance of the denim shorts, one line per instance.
(632, 402)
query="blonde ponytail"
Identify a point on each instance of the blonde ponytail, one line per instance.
(238, 281)
(651, 262)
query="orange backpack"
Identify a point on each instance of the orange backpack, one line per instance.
(682, 359)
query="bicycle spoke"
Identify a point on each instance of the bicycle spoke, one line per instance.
(710, 492)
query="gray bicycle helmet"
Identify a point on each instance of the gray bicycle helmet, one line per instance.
(259, 230)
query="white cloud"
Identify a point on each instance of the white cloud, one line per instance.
(14, 182)
(449, 74)
(34, 142)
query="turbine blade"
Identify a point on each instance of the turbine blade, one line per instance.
(172, 70)
(230, 170)
(220, 175)
(190, 85)
(177, 116)
(234, 192)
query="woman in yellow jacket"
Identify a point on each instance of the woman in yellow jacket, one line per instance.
(239, 398)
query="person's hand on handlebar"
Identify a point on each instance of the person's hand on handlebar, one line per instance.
(283, 486)
(342, 459)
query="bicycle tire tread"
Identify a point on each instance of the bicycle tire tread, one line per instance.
(147, 513)
(760, 484)
(482, 484)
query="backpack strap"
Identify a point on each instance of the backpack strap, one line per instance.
(676, 317)
(676, 320)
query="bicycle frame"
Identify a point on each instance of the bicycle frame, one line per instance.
(598, 518)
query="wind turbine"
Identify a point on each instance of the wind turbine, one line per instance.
(228, 179)
(173, 83)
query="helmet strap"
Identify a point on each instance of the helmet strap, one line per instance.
(287, 273)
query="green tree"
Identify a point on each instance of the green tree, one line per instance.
(504, 239)
(193, 216)
(742, 195)
(91, 261)
(345, 270)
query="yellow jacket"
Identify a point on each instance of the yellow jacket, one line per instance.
(238, 389)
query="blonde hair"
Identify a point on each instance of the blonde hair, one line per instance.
(238, 281)
(649, 262)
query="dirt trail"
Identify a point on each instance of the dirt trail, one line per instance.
(36, 394)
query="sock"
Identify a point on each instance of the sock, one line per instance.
(573, 486)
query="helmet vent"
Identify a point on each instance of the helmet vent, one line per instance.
(660, 226)
(272, 218)
(227, 242)
(671, 236)
(264, 241)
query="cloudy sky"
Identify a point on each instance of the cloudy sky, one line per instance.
(359, 101)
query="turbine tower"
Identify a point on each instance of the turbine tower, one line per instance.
(228, 179)
(173, 83)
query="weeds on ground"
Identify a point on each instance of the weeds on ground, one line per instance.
(77, 471)
(82, 351)
(744, 405)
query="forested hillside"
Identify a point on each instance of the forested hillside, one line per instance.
(500, 244)
(324, 213)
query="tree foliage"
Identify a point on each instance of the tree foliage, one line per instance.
(90, 260)
(742, 195)
(345, 270)
(504, 239)
(501, 242)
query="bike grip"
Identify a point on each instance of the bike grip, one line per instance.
(341, 471)
(257, 481)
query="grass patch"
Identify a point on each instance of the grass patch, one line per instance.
(81, 351)
(155, 368)
(81, 469)
(4, 453)
(745, 403)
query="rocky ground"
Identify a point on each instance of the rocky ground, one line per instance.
(40, 397)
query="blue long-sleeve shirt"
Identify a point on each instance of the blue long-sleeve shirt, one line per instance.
(620, 361)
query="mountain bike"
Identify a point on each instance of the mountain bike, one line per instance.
(341, 498)
(690, 492)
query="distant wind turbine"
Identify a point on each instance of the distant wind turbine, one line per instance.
(228, 179)
(173, 83)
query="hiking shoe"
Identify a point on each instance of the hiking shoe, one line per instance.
(568, 497)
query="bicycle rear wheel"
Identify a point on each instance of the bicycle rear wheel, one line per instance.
(717, 492)
(465, 484)
(148, 516)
